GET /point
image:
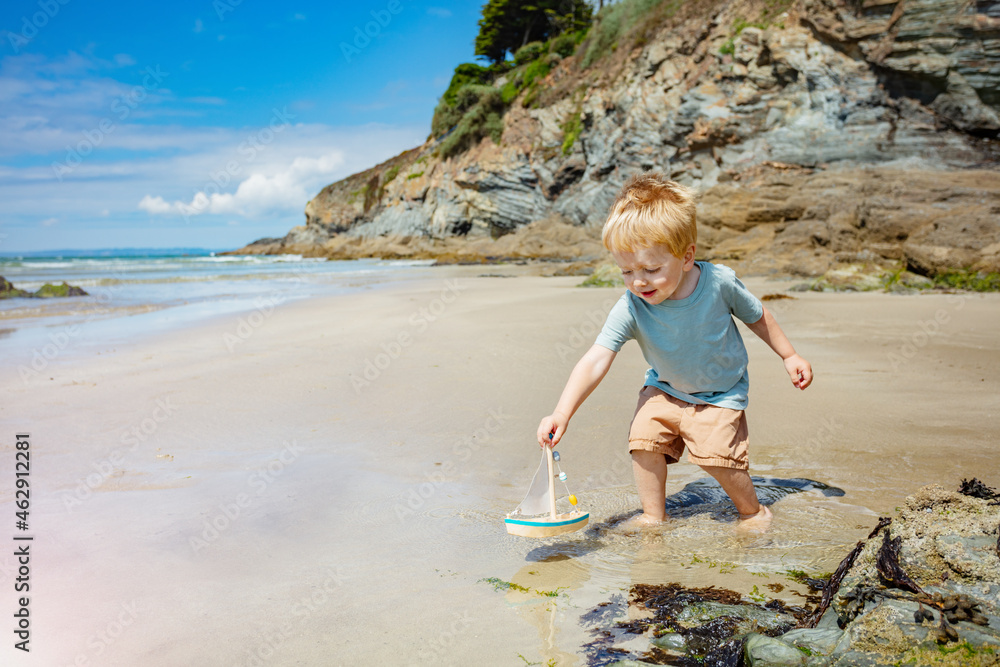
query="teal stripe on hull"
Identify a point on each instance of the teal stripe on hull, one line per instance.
(542, 524)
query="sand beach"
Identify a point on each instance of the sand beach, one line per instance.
(324, 482)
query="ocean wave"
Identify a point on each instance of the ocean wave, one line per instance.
(406, 262)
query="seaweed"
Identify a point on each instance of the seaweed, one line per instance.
(499, 584)
(729, 654)
(718, 642)
(889, 569)
(976, 489)
(960, 608)
(833, 586)
(945, 632)
(883, 521)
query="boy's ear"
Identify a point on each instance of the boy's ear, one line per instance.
(689, 258)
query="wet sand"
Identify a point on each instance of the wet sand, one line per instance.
(325, 483)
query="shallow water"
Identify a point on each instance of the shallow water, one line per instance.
(571, 575)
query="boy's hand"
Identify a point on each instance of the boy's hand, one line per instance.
(799, 371)
(555, 424)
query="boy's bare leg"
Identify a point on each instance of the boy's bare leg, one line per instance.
(739, 488)
(650, 469)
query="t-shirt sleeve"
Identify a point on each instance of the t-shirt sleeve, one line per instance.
(742, 303)
(619, 327)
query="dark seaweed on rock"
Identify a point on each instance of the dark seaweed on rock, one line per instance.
(709, 644)
(833, 586)
(889, 569)
(961, 608)
(883, 521)
(668, 600)
(945, 632)
(729, 654)
(973, 487)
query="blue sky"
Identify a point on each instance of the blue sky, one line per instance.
(206, 123)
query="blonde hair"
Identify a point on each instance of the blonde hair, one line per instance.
(651, 210)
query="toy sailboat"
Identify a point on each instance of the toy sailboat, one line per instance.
(541, 500)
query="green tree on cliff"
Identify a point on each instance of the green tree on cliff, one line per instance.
(507, 25)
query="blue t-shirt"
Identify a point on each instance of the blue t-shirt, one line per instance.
(694, 349)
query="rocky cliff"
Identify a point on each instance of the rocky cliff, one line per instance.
(818, 132)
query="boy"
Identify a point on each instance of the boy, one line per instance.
(681, 313)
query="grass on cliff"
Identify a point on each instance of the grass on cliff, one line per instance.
(478, 113)
(467, 112)
(615, 24)
(473, 108)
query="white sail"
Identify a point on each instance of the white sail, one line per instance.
(537, 499)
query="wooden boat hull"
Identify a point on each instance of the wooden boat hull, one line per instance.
(547, 526)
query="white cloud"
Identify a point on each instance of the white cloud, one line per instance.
(48, 222)
(155, 205)
(283, 190)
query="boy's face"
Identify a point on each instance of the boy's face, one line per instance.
(655, 274)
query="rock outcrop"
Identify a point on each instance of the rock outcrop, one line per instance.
(842, 129)
(46, 291)
(923, 589)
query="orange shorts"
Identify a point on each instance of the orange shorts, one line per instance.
(713, 436)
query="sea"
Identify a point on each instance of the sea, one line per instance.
(132, 292)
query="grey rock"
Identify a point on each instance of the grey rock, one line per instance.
(762, 650)
(817, 640)
(670, 642)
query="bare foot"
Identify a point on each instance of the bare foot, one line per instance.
(756, 523)
(640, 521)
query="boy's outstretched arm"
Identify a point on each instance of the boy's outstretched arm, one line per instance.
(586, 375)
(768, 330)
